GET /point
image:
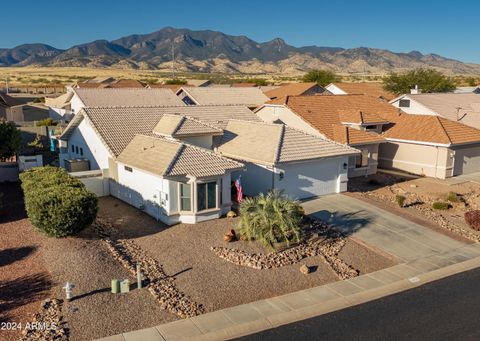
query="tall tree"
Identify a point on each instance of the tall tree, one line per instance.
(428, 80)
(322, 77)
(9, 140)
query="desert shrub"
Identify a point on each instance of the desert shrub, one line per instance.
(453, 197)
(271, 218)
(39, 100)
(472, 218)
(176, 81)
(46, 122)
(440, 205)
(56, 203)
(400, 199)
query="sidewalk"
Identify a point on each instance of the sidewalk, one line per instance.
(273, 312)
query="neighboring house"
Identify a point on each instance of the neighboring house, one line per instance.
(199, 82)
(11, 109)
(59, 108)
(150, 160)
(122, 97)
(126, 83)
(249, 97)
(429, 145)
(463, 108)
(295, 89)
(354, 120)
(467, 90)
(370, 89)
(278, 157)
(244, 85)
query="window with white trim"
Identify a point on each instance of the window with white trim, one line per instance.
(206, 196)
(185, 197)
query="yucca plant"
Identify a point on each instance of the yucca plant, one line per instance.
(271, 218)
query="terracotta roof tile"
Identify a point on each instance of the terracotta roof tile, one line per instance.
(294, 89)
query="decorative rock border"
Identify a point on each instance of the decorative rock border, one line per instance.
(48, 324)
(160, 285)
(328, 247)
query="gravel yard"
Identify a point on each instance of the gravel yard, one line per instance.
(35, 267)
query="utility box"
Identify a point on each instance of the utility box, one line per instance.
(77, 165)
(125, 286)
(115, 286)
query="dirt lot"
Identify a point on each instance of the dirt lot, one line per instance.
(420, 194)
(35, 267)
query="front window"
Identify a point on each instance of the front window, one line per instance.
(185, 197)
(206, 196)
(362, 159)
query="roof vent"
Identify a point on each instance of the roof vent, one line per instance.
(415, 90)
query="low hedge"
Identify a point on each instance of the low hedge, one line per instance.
(400, 199)
(56, 203)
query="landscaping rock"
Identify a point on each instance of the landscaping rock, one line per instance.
(48, 324)
(304, 269)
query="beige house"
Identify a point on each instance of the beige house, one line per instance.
(430, 145)
(354, 120)
(11, 109)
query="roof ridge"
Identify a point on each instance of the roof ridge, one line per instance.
(175, 157)
(280, 144)
(443, 127)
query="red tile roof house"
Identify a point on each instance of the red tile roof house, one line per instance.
(354, 120)
(426, 145)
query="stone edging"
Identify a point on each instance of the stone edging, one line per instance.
(48, 324)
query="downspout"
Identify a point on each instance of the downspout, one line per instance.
(436, 163)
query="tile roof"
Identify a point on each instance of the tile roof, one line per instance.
(270, 144)
(430, 129)
(324, 112)
(61, 101)
(293, 89)
(126, 83)
(85, 85)
(250, 97)
(464, 108)
(352, 136)
(8, 101)
(364, 88)
(118, 125)
(198, 82)
(127, 97)
(179, 125)
(244, 85)
(359, 117)
(172, 158)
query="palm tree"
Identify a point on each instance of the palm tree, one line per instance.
(271, 218)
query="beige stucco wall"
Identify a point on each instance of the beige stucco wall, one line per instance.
(431, 161)
(372, 161)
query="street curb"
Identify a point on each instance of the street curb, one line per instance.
(250, 318)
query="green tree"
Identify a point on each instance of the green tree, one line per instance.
(271, 218)
(176, 81)
(471, 81)
(10, 140)
(322, 77)
(56, 203)
(428, 80)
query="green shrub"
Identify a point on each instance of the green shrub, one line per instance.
(56, 203)
(440, 205)
(272, 218)
(46, 122)
(453, 197)
(472, 218)
(39, 100)
(400, 199)
(176, 81)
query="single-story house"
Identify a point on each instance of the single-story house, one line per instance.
(279, 157)
(429, 145)
(142, 151)
(463, 108)
(125, 83)
(59, 108)
(103, 97)
(354, 120)
(11, 109)
(370, 89)
(249, 97)
(296, 89)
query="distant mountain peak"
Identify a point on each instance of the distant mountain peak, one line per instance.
(213, 51)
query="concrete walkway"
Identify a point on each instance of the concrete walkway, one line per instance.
(389, 232)
(270, 313)
(472, 177)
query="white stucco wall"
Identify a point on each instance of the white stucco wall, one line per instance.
(414, 108)
(93, 148)
(200, 141)
(76, 103)
(58, 114)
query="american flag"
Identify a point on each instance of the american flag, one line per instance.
(238, 185)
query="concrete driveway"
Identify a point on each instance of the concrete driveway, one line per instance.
(389, 232)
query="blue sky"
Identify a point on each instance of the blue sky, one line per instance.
(448, 28)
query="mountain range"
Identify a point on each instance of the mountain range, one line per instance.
(212, 51)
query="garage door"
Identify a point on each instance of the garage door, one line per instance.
(467, 160)
(308, 179)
